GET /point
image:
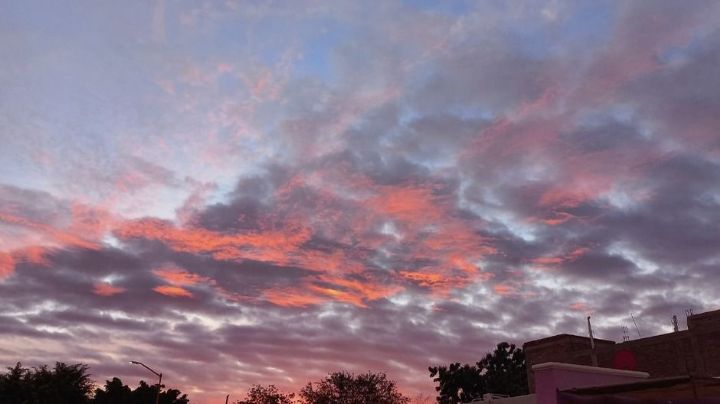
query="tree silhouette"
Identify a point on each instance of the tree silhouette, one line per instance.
(115, 392)
(258, 394)
(64, 384)
(502, 371)
(457, 383)
(346, 388)
(505, 371)
(14, 385)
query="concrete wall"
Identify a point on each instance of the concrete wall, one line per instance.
(563, 348)
(550, 377)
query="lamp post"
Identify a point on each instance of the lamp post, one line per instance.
(159, 375)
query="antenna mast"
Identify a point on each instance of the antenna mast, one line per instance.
(593, 355)
(636, 327)
(675, 323)
(626, 337)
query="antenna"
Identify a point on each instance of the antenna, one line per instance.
(636, 327)
(626, 337)
(675, 323)
(688, 314)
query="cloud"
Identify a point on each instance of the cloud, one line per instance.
(275, 193)
(175, 291)
(106, 289)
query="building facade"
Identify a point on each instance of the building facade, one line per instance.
(691, 352)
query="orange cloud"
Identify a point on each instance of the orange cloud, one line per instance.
(261, 246)
(558, 218)
(174, 291)
(423, 279)
(545, 261)
(179, 277)
(429, 233)
(422, 219)
(406, 203)
(90, 222)
(338, 295)
(106, 289)
(7, 265)
(367, 290)
(548, 262)
(504, 289)
(323, 289)
(579, 307)
(32, 254)
(292, 298)
(578, 252)
(52, 234)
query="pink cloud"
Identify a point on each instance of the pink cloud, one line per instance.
(173, 291)
(106, 289)
(7, 265)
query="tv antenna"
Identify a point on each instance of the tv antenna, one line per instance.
(675, 323)
(626, 337)
(688, 312)
(636, 326)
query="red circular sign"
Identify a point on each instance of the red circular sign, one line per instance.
(624, 359)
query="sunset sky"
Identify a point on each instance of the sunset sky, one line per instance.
(239, 192)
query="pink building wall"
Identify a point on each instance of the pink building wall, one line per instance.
(551, 376)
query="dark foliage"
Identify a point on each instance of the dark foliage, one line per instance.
(64, 384)
(266, 395)
(501, 372)
(71, 384)
(346, 388)
(115, 392)
(505, 371)
(457, 383)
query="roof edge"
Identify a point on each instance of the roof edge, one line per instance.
(590, 369)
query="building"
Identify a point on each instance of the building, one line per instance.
(680, 367)
(565, 383)
(694, 352)
(676, 389)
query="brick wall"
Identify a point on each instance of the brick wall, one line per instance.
(695, 351)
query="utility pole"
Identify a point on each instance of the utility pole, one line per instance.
(593, 355)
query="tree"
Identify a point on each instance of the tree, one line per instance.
(501, 372)
(64, 384)
(115, 392)
(14, 386)
(347, 388)
(71, 384)
(457, 383)
(258, 394)
(505, 371)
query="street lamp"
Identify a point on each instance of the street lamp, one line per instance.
(159, 375)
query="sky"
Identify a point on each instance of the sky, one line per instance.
(241, 192)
